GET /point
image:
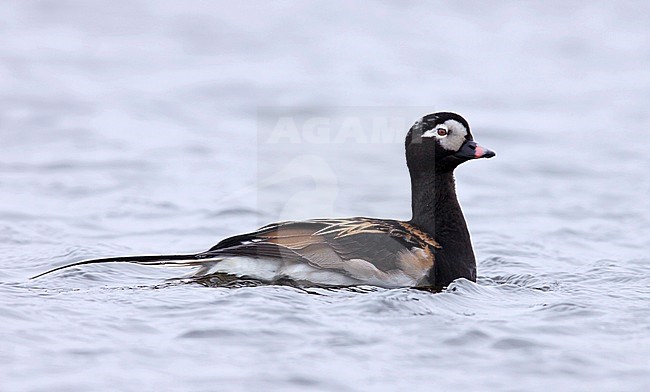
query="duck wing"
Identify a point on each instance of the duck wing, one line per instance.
(336, 252)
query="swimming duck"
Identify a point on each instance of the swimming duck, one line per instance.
(431, 250)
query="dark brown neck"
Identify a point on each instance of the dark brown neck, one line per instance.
(437, 211)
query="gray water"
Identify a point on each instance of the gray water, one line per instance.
(132, 127)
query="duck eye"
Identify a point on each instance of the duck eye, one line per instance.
(442, 132)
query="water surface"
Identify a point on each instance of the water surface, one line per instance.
(143, 127)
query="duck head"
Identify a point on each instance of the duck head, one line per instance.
(439, 142)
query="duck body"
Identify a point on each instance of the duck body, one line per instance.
(328, 252)
(430, 250)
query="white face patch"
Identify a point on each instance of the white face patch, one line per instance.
(450, 134)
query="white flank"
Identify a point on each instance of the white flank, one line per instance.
(270, 270)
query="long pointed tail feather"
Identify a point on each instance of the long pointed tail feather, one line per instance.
(186, 260)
